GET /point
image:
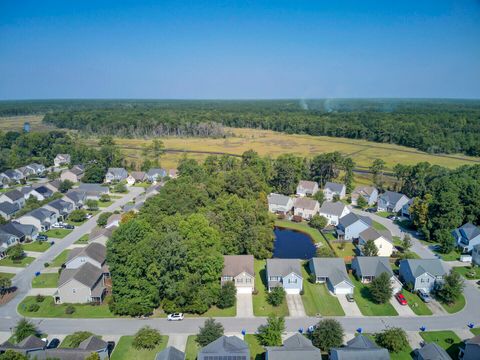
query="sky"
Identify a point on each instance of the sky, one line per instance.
(239, 49)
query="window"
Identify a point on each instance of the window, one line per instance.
(248, 281)
(292, 281)
(227, 278)
(239, 281)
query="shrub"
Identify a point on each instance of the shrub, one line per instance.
(227, 295)
(24, 329)
(312, 278)
(393, 339)
(318, 222)
(16, 252)
(104, 198)
(146, 338)
(33, 307)
(46, 264)
(78, 215)
(103, 218)
(381, 288)
(276, 296)
(210, 331)
(70, 309)
(73, 340)
(327, 334)
(120, 188)
(271, 333)
(39, 298)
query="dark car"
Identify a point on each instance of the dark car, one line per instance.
(53, 344)
(371, 210)
(68, 227)
(350, 298)
(110, 346)
(42, 237)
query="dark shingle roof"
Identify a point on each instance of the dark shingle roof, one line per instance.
(352, 218)
(170, 353)
(14, 195)
(421, 266)
(236, 264)
(87, 274)
(431, 351)
(9, 208)
(283, 267)
(360, 348)
(373, 265)
(391, 197)
(295, 347)
(226, 345)
(469, 231)
(94, 251)
(333, 268)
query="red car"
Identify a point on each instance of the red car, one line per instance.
(401, 299)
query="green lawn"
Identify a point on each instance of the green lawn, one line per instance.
(260, 305)
(366, 304)
(475, 331)
(257, 351)
(378, 226)
(18, 263)
(38, 246)
(125, 350)
(49, 310)
(60, 259)
(191, 349)
(57, 233)
(451, 256)
(383, 214)
(464, 270)
(70, 341)
(104, 204)
(447, 339)
(217, 312)
(93, 212)
(318, 300)
(347, 252)
(302, 227)
(456, 306)
(405, 354)
(7, 275)
(82, 240)
(142, 184)
(45, 281)
(416, 304)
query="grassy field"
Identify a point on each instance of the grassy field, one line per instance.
(348, 251)
(7, 275)
(475, 331)
(260, 305)
(416, 304)
(57, 233)
(451, 256)
(456, 306)
(464, 270)
(60, 259)
(365, 303)
(447, 339)
(22, 263)
(191, 349)
(257, 351)
(125, 350)
(15, 123)
(38, 246)
(45, 281)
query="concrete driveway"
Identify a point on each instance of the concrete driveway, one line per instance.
(436, 307)
(244, 305)
(350, 308)
(295, 305)
(402, 310)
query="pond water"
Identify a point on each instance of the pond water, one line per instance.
(291, 244)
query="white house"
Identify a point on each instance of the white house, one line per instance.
(305, 207)
(13, 197)
(41, 218)
(307, 188)
(95, 254)
(278, 203)
(369, 193)
(333, 211)
(116, 174)
(331, 189)
(382, 241)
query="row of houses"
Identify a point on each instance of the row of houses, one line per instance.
(15, 176)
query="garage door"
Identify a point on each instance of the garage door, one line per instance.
(244, 290)
(342, 290)
(292, 291)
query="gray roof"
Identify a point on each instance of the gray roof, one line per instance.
(95, 251)
(283, 267)
(431, 351)
(42, 189)
(117, 172)
(307, 185)
(373, 265)
(305, 203)
(157, 172)
(392, 197)
(371, 234)
(93, 188)
(17, 229)
(97, 232)
(364, 190)
(14, 195)
(55, 183)
(472, 349)
(334, 187)
(360, 348)
(333, 268)
(332, 208)
(86, 347)
(226, 345)
(29, 343)
(421, 266)
(87, 274)
(170, 353)
(295, 347)
(9, 208)
(236, 264)
(92, 343)
(76, 170)
(278, 199)
(469, 231)
(138, 175)
(12, 174)
(60, 204)
(352, 218)
(41, 214)
(76, 196)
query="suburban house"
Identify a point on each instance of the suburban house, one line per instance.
(38, 169)
(6, 240)
(172, 173)
(95, 254)
(467, 236)
(93, 191)
(136, 176)
(360, 347)
(305, 207)
(74, 174)
(307, 188)
(405, 212)
(26, 171)
(115, 174)
(41, 218)
(113, 221)
(44, 191)
(170, 353)
(13, 175)
(333, 211)
(61, 207)
(431, 351)
(369, 193)
(286, 273)
(4, 180)
(351, 225)
(53, 185)
(367, 268)
(331, 189)
(279, 204)
(77, 198)
(423, 274)
(153, 175)
(101, 235)
(332, 272)
(470, 350)
(29, 346)
(391, 201)
(295, 347)
(225, 347)
(23, 232)
(476, 254)
(61, 159)
(13, 197)
(81, 285)
(30, 191)
(8, 210)
(382, 239)
(240, 270)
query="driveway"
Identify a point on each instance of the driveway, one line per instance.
(402, 310)
(295, 305)
(244, 305)
(436, 307)
(350, 308)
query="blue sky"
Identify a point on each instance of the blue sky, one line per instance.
(239, 49)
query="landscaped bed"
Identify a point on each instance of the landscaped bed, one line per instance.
(45, 281)
(25, 261)
(365, 303)
(456, 306)
(416, 304)
(125, 350)
(57, 233)
(447, 339)
(38, 246)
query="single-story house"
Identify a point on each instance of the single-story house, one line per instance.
(94, 253)
(360, 347)
(113, 221)
(29, 346)
(76, 198)
(470, 350)
(369, 193)
(431, 351)
(367, 268)
(382, 239)
(101, 235)
(170, 353)
(7, 240)
(225, 347)
(75, 174)
(332, 272)
(240, 270)
(153, 175)
(22, 231)
(307, 188)
(331, 189)
(351, 225)
(305, 207)
(278, 203)
(93, 191)
(391, 201)
(14, 197)
(423, 274)
(296, 347)
(467, 236)
(333, 211)
(61, 207)
(81, 285)
(115, 174)
(286, 273)
(41, 218)
(62, 159)
(8, 210)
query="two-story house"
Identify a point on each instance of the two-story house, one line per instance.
(367, 268)
(424, 274)
(296, 347)
(467, 236)
(286, 273)
(305, 207)
(61, 159)
(75, 174)
(307, 188)
(41, 218)
(382, 240)
(332, 189)
(240, 270)
(154, 175)
(7, 240)
(77, 198)
(95, 254)
(13, 197)
(391, 201)
(61, 207)
(279, 204)
(333, 211)
(351, 225)
(369, 193)
(115, 175)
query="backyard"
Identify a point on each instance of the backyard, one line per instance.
(366, 304)
(125, 350)
(447, 339)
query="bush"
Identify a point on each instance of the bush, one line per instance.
(46, 264)
(318, 222)
(276, 296)
(312, 278)
(381, 288)
(91, 204)
(24, 329)
(39, 298)
(103, 218)
(33, 307)
(120, 188)
(104, 198)
(70, 309)
(271, 333)
(78, 215)
(73, 340)
(327, 334)
(392, 339)
(146, 338)
(210, 331)
(227, 295)
(16, 252)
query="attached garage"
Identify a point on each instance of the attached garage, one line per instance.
(244, 290)
(343, 288)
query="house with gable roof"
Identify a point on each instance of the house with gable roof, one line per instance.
(331, 271)
(225, 347)
(295, 347)
(467, 236)
(359, 348)
(305, 207)
(392, 201)
(426, 274)
(279, 204)
(333, 211)
(369, 193)
(307, 188)
(331, 189)
(286, 273)
(240, 270)
(367, 268)
(351, 225)
(382, 239)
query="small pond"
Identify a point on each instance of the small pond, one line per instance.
(291, 244)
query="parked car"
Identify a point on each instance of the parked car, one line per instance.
(401, 299)
(57, 226)
(69, 227)
(175, 317)
(42, 237)
(371, 210)
(53, 344)
(392, 217)
(424, 295)
(88, 216)
(350, 298)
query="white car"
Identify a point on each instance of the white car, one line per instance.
(88, 216)
(175, 317)
(57, 226)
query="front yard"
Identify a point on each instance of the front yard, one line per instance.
(25, 261)
(366, 304)
(191, 349)
(104, 204)
(416, 304)
(451, 256)
(82, 240)
(467, 272)
(475, 331)
(57, 233)
(377, 226)
(447, 339)
(125, 350)
(7, 275)
(257, 351)
(217, 312)
(60, 259)
(45, 281)
(260, 305)
(38, 246)
(456, 306)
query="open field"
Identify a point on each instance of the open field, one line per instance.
(12, 123)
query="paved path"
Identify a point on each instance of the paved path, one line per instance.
(402, 310)
(41, 291)
(350, 308)
(11, 269)
(244, 305)
(295, 305)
